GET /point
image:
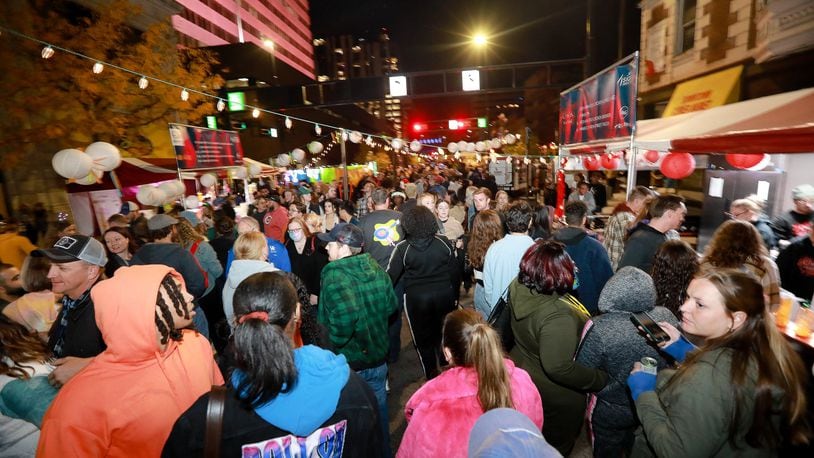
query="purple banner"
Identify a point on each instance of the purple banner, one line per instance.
(201, 148)
(602, 108)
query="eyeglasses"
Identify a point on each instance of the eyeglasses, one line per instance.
(298, 229)
(735, 215)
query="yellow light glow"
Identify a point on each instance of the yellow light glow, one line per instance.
(268, 43)
(480, 40)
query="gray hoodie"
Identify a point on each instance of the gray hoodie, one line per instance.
(240, 270)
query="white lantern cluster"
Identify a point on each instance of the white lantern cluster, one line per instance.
(283, 160)
(86, 167)
(208, 180)
(415, 146)
(315, 147)
(165, 192)
(255, 170)
(298, 154)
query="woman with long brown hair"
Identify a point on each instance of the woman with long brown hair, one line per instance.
(738, 245)
(740, 394)
(442, 412)
(486, 230)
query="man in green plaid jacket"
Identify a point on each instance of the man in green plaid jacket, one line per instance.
(356, 298)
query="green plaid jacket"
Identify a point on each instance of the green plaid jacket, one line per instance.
(356, 298)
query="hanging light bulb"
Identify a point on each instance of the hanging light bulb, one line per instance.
(256, 113)
(344, 135)
(47, 52)
(98, 67)
(143, 82)
(288, 122)
(184, 94)
(317, 129)
(221, 105)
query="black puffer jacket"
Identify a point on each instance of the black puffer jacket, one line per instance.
(424, 263)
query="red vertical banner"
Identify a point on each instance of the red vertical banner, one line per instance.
(560, 210)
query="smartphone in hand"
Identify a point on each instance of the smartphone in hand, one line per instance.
(648, 324)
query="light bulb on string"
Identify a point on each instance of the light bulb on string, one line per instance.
(317, 129)
(221, 105)
(143, 82)
(184, 94)
(98, 67)
(256, 113)
(47, 52)
(288, 122)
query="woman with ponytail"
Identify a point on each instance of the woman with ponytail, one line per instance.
(443, 411)
(740, 394)
(293, 401)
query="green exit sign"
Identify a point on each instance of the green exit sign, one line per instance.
(211, 122)
(482, 123)
(237, 101)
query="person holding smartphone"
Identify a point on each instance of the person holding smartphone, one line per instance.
(741, 393)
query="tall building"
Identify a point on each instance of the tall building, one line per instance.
(284, 26)
(344, 57)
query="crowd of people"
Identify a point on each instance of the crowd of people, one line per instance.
(200, 331)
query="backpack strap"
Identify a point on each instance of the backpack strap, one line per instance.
(214, 421)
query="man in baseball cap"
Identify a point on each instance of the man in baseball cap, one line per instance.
(355, 302)
(74, 339)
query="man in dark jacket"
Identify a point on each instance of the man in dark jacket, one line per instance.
(796, 265)
(799, 220)
(163, 249)
(667, 213)
(593, 265)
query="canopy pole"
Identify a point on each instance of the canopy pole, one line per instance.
(631, 171)
(345, 190)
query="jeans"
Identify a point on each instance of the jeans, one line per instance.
(480, 301)
(376, 378)
(394, 326)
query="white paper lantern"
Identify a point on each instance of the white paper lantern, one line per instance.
(480, 146)
(283, 160)
(156, 196)
(208, 180)
(396, 143)
(255, 170)
(180, 188)
(72, 163)
(92, 178)
(470, 147)
(241, 173)
(452, 147)
(141, 194)
(495, 143)
(461, 146)
(315, 147)
(355, 136)
(510, 139)
(415, 146)
(169, 188)
(298, 154)
(106, 157)
(191, 202)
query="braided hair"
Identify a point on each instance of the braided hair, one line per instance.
(163, 316)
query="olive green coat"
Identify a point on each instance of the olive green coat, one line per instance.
(547, 332)
(691, 417)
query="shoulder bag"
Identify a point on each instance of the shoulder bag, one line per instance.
(500, 319)
(214, 421)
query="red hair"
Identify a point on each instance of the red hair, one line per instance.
(547, 268)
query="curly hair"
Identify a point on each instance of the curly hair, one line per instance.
(419, 223)
(486, 229)
(187, 233)
(734, 244)
(163, 316)
(674, 265)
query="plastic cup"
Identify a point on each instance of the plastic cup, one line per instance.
(784, 310)
(805, 321)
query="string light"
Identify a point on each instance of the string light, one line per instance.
(184, 95)
(317, 129)
(98, 67)
(47, 52)
(143, 82)
(221, 105)
(255, 113)
(288, 122)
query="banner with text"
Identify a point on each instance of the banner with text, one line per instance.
(601, 108)
(202, 148)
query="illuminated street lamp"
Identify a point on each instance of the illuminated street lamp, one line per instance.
(480, 40)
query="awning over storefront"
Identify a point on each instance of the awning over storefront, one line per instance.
(707, 92)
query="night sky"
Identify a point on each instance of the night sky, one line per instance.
(434, 34)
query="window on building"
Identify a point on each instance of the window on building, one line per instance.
(685, 39)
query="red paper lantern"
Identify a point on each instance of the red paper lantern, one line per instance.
(591, 163)
(610, 161)
(744, 161)
(652, 156)
(678, 165)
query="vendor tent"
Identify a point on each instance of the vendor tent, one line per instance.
(133, 173)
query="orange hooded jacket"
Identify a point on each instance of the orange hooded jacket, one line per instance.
(125, 402)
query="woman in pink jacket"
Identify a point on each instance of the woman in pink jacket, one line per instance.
(442, 412)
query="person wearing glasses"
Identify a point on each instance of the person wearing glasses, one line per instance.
(751, 210)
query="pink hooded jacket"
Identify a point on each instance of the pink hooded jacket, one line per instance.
(125, 402)
(443, 411)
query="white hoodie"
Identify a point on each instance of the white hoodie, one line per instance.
(240, 270)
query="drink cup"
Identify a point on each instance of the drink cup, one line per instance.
(784, 310)
(805, 321)
(650, 365)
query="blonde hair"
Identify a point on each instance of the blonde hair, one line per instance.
(314, 222)
(250, 246)
(187, 233)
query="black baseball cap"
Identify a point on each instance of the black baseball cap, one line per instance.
(344, 233)
(75, 248)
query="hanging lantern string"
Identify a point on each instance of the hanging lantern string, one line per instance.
(142, 77)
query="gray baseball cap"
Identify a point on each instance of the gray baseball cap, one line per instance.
(75, 248)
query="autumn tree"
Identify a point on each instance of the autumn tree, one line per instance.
(60, 103)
